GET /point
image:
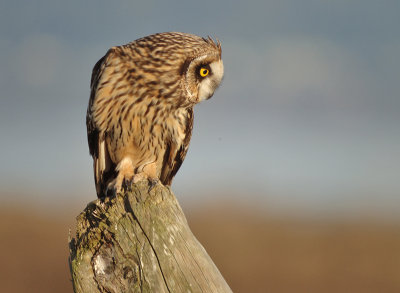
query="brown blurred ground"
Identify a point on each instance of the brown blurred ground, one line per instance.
(253, 252)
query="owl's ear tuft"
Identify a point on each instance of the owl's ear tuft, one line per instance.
(216, 44)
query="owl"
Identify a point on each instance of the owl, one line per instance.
(140, 114)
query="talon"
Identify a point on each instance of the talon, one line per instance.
(110, 191)
(127, 184)
(153, 182)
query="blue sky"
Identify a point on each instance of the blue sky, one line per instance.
(307, 117)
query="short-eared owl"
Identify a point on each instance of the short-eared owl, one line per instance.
(140, 114)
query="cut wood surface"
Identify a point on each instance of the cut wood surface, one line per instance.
(140, 241)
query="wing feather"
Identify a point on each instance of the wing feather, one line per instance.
(175, 154)
(102, 164)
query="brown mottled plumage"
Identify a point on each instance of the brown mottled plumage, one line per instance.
(140, 114)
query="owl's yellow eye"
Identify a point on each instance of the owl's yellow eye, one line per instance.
(204, 72)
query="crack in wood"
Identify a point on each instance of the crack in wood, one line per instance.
(129, 209)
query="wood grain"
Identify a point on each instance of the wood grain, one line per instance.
(140, 241)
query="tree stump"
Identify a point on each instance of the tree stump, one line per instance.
(140, 241)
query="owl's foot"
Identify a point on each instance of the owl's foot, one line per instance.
(143, 176)
(114, 187)
(118, 185)
(126, 177)
(125, 184)
(128, 182)
(123, 181)
(111, 190)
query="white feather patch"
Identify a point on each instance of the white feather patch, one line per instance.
(101, 160)
(210, 83)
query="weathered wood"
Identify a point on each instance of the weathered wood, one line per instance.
(140, 241)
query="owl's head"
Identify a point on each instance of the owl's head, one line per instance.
(181, 68)
(202, 72)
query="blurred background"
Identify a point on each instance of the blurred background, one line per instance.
(292, 180)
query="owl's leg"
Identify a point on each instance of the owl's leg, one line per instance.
(125, 174)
